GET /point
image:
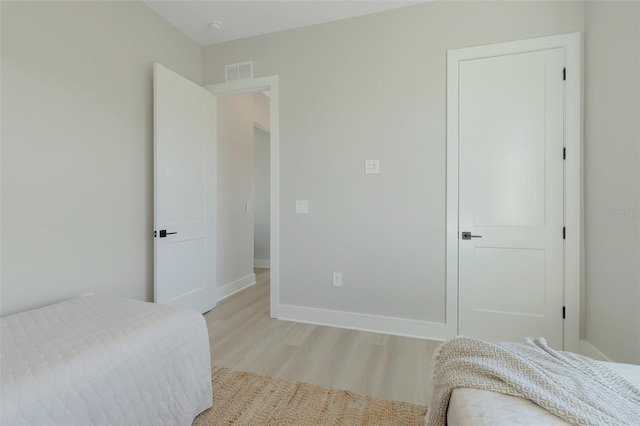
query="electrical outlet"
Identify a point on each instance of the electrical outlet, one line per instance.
(337, 279)
(371, 167)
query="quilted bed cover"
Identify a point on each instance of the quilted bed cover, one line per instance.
(479, 407)
(101, 360)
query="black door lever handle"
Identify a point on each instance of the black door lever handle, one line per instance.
(164, 233)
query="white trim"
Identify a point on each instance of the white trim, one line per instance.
(262, 84)
(261, 263)
(260, 127)
(364, 322)
(588, 350)
(573, 188)
(3, 311)
(573, 192)
(249, 85)
(235, 286)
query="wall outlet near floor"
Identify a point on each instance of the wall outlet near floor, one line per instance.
(337, 279)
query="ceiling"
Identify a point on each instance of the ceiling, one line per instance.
(240, 19)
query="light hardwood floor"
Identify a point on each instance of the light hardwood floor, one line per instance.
(243, 337)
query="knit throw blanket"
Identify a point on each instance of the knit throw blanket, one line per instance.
(573, 387)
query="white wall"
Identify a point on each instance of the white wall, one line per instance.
(373, 87)
(612, 178)
(236, 117)
(77, 147)
(261, 198)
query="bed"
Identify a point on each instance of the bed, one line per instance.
(481, 383)
(103, 360)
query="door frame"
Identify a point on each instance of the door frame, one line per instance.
(261, 84)
(572, 175)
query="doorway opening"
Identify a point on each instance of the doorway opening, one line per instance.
(248, 114)
(261, 201)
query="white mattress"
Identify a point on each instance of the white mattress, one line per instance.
(99, 360)
(483, 408)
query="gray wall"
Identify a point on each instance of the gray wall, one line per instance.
(76, 162)
(612, 178)
(236, 117)
(261, 196)
(77, 205)
(373, 87)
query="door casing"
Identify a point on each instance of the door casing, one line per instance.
(570, 43)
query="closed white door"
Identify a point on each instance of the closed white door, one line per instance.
(185, 192)
(511, 138)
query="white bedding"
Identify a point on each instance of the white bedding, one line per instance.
(479, 407)
(100, 360)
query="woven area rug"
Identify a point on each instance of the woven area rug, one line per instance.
(242, 398)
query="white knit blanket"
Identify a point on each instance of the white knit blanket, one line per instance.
(573, 387)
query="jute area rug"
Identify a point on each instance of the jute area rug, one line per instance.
(242, 398)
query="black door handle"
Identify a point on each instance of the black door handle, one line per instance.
(164, 233)
(468, 236)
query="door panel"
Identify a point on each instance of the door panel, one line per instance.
(185, 270)
(184, 187)
(182, 178)
(511, 194)
(526, 267)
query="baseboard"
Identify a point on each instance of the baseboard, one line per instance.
(363, 322)
(588, 350)
(261, 263)
(235, 286)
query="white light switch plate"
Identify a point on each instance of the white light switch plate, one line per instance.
(302, 206)
(337, 279)
(371, 167)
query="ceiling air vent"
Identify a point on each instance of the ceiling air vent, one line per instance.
(239, 71)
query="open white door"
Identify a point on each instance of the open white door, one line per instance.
(184, 192)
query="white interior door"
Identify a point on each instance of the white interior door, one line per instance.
(511, 137)
(184, 192)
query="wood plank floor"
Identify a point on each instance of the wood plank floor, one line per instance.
(243, 337)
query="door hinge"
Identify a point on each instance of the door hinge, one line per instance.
(564, 312)
(564, 153)
(155, 234)
(564, 232)
(564, 73)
